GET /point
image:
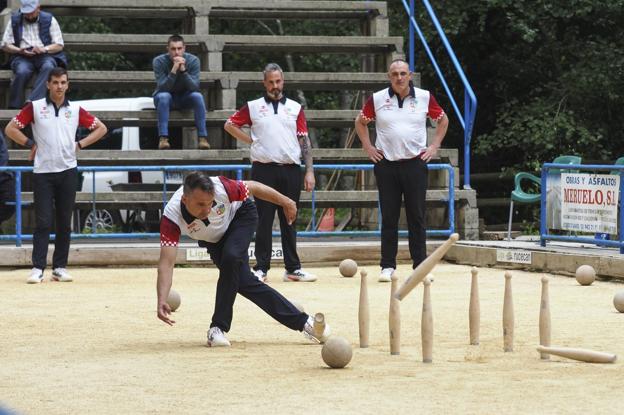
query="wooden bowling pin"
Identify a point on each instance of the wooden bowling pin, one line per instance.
(394, 318)
(544, 318)
(583, 355)
(508, 315)
(474, 311)
(426, 325)
(319, 325)
(363, 312)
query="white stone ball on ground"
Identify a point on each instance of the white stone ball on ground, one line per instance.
(618, 301)
(336, 352)
(348, 268)
(585, 275)
(174, 300)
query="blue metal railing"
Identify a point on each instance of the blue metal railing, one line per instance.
(545, 236)
(470, 100)
(18, 237)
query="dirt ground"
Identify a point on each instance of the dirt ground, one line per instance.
(95, 346)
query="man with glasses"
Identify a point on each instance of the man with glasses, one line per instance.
(400, 155)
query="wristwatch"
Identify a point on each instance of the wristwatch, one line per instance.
(46, 49)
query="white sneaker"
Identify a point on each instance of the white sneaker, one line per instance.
(261, 275)
(299, 275)
(386, 275)
(61, 275)
(36, 276)
(216, 338)
(308, 331)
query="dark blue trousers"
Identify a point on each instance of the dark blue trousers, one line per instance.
(58, 191)
(407, 180)
(231, 256)
(23, 69)
(286, 179)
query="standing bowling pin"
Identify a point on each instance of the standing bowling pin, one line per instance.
(363, 313)
(426, 324)
(394, 317)
(508, 315)
(319, 325)
(474, 312)
(544, 318)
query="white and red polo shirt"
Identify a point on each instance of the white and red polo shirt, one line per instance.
(275, 128)
(401, 124)
(228, 198)
(54, 132)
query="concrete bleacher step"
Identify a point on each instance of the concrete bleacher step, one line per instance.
(317, 81)
(147, 118)
(372, 12)
(210, 48)
(150, 43)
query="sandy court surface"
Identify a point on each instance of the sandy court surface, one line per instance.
(95, 346)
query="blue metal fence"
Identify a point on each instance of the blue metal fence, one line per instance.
(545, 236)
(18, 237)
(466, 119)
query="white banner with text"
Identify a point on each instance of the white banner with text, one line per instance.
(589, 202)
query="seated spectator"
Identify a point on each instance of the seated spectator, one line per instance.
(177, 87)
(35, 44)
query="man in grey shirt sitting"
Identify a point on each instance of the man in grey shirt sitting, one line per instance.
(177, 87)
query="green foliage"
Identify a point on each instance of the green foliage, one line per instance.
(549, 76)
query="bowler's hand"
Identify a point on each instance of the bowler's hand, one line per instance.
(27, 52)
(290, 211)
(164, 311)
(39, 51)
(430, 153)
(308, 181)
(374, 154)
(33, 151)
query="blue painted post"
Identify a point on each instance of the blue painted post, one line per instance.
(621, 213)
(467, 133)
(543, 229)
(411, 35)
(313, 210)
(239, 174)
(93, 218)
(164, 192)
(451, 209)
(18, 208)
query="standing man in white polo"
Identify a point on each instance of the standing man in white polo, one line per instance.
(401, 155)
(279, 141)
(54, 121)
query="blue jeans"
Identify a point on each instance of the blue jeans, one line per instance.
(166, 101)
(24, 68)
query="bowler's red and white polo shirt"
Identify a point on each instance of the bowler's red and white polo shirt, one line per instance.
(54, 132)
(401, 124)
(275, 128)
(228, 197)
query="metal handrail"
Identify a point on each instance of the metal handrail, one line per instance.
(466, 119)
(238, 168)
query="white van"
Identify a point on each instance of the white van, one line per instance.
(125, 139)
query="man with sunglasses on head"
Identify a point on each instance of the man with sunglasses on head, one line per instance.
(401, 155)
